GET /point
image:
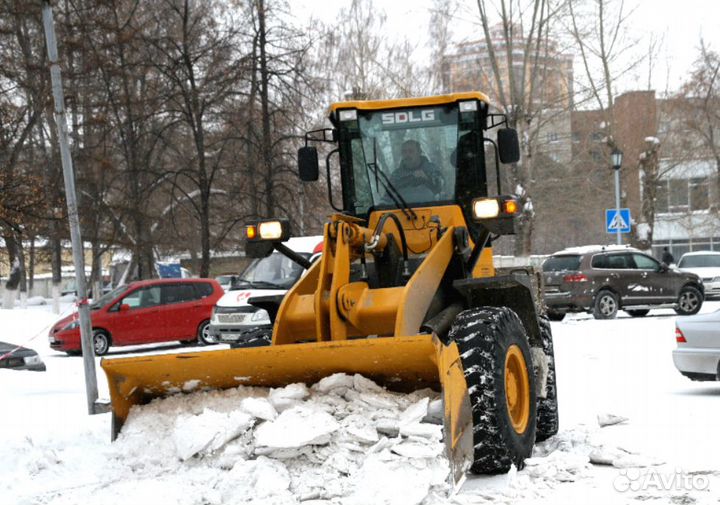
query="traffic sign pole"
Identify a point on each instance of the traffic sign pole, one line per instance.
(617, 203)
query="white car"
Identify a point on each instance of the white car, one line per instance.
(698, 346)
(705, 264)
(236, 322)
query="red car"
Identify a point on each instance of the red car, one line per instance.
(144, 312)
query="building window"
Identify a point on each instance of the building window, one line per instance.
(699, 195)
(552, 137)
(678, 195)
(661, 197)
(682, 195)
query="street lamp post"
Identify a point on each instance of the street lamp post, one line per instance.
(617, 156)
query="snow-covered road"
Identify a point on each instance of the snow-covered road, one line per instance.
(668, 450)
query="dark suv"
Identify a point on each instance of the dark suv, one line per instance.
(605, 279)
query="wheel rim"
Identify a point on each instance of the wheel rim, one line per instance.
(688, 301)
(607, 305)
(517, 389)
(100, 343)
(205, 333)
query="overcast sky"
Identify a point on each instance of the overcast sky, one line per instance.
(678, 24)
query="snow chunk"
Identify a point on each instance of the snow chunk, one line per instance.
(259, 407)
(190, 385)
(415, 412)
(423, 430)
(390, 482)
(360, 428)
(296, 427)
(362, 384)
(335, 381)
(207, 432)
(608, 419)
(265, 479)
(288, 396)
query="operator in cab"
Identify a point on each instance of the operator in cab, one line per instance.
(416, 178)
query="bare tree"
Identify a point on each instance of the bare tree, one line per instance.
(526, 80)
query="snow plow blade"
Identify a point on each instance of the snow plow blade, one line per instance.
(399, 363)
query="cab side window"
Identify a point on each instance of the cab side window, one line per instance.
(178, 293)
(643, 262)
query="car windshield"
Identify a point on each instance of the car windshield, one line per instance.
(561, 263)
(108, 297)
(410, 151)
(274, 271)
(700, 261)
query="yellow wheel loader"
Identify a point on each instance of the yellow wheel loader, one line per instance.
(405, 292)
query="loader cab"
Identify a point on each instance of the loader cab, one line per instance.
(447, 134)
(374, 165)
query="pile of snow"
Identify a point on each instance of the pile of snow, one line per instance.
(344, 438)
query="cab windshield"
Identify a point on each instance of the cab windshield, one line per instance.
(406, 156)
(274, 271)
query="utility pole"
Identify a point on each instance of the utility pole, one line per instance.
(73, 217)
(617, 158)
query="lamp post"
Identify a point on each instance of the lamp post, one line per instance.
(616, 157)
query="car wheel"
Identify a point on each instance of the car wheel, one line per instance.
(638, 313)
(606, 305)
(203, 334)
(101, 342)
(689, 301)
(555, 316)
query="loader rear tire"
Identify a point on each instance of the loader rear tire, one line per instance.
(495, 354)
(548, 420)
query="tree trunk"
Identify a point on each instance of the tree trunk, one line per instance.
(265, 111)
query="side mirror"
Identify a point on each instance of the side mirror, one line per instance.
(308, 164)
(664, 268)
(124, 307)
(508, 145)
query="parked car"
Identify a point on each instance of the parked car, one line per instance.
(604, 279)
(234, 320)
(698, 346)
(20, 358)
(705, 264)
(144, 312)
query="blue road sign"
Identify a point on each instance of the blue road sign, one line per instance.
(615, 222)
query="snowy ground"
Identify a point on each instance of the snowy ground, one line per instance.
(345, 441)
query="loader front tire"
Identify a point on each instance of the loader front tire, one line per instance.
(495, 354)
(548, 420)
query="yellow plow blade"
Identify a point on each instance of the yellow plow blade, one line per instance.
(399, 363)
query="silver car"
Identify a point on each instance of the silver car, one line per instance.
(698, 346)
(705, 264)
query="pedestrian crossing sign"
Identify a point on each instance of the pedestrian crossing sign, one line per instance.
(617, 221)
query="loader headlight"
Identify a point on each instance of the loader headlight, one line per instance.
(486, 208)
(347, 115)
(277, 230)
(468, 106)
(489, 208)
